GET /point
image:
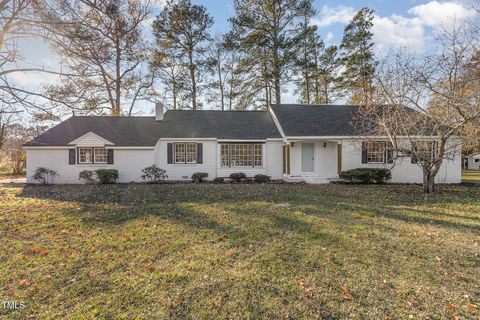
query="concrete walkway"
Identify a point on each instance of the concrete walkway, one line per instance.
(13, 180)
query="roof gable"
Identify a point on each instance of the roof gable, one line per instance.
(90, 139)
(298, 120)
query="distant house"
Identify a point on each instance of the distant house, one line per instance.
(311, 143)
(472, 162)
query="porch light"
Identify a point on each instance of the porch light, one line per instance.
(324, 144)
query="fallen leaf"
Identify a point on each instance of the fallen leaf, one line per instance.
(189, 267)
(472, 307)
(11, 293)
(43, 252)
(229, 253)
(33, 249)
(23, 283)
(452, 307)
(149, 266)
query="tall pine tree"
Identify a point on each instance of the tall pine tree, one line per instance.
(357, 57)
(267, 31)
(317, 68)
(184, 27)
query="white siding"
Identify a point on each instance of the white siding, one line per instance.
(185, 171)
(274, 159)
(90, 140)
(403, 170)
(128, 162)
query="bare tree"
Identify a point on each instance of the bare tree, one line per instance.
(103, 46)
(423, 105)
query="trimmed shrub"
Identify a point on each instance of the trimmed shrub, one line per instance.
(261, 178)
(199, 177)
(44, 176)
(219, 180)
(87, 176)
(154, 174)
(366, 175)
(237, 177)
(107, 176)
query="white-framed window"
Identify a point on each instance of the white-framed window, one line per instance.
(241, 155)
(424, 151)
(224, 155)
(258, 155)
(92, 155)
(376, 152)
(85, 155)
(186, 152)
(100, 155)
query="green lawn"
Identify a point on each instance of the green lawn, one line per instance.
(471, 176)
(240, 252)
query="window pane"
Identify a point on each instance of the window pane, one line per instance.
(375, 152)
(191, 153)
(85, 155)
(179, 152)
(100, 155)
(425, 150)
(258, 155)
(224, 162)
(241, 155)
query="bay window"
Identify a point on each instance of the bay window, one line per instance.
(241, 155)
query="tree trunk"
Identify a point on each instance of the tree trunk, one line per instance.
(428, 181)
(220, 81)
(174, 94)
(116, 108)
(2, 134)
(317, 82)
(192, 77)
(307, 79)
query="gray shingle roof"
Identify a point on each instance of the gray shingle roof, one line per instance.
(145, 131)
(316, 120)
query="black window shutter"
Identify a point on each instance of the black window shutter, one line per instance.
(71, 156)
(199, 152)
(110, 156)
(389, 153)
(364, 152)
(169, 153)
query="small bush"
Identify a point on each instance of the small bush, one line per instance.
(87, 176)
(154, 174)
(237, 177)
(199, 177)
(107, 176)
(219, 180)
(261, 178)
(44, 176)
(366, 175)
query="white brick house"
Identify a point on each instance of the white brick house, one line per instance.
(292, 142)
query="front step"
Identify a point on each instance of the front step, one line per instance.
(310, 180)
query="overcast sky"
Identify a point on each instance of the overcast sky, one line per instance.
(407, 23)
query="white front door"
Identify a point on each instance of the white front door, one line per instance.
(308, 158)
